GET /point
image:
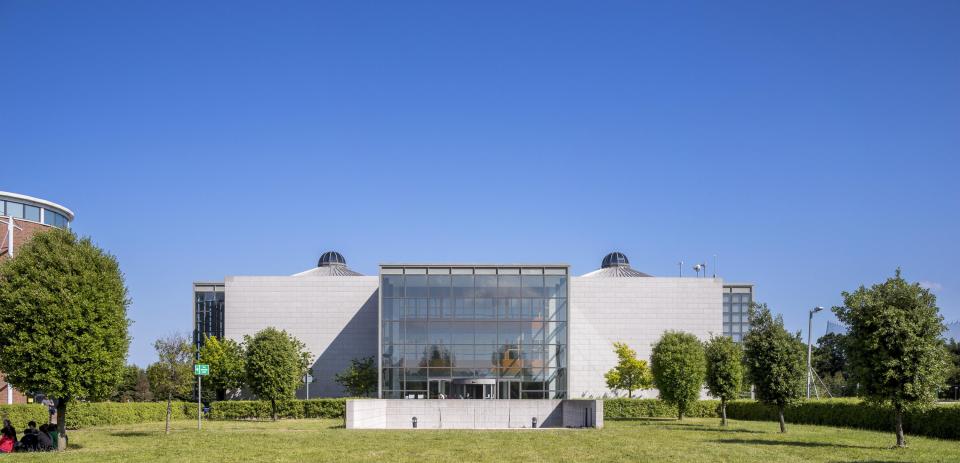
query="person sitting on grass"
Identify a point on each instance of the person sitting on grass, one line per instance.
(44, 442)
(29, 441)
(8, 437)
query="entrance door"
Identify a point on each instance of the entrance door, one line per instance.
(509, 389)
(439, 387)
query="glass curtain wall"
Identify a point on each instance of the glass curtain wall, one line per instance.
(208, 312)
(736, 311)
(441, 326)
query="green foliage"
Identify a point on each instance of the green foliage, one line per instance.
(360, 379)
(830, 355)
(21, 414)
(953, 371)
(135, 386)
(894, 346)
(626, 409)
(679, 369)
(942, 422)
(171, 376)
(63, 318)
(630, 373)
(87, 414)
(259, 410)
(275, 364)
(776, 361)
(724, 368)
(226, 360)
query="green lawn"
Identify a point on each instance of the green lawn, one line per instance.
(693, 440)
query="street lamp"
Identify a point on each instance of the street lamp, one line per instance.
(810, 349)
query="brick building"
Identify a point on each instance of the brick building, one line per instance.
(21, 217)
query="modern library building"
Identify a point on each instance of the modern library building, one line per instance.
(471, 331)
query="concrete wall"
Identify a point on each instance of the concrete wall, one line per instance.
(636, 311)
(472, 414)
(335, 316)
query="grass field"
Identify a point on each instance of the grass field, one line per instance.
(693, 440)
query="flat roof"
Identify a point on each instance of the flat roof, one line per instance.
(37, 202)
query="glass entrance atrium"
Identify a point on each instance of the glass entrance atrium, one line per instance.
(473, 332)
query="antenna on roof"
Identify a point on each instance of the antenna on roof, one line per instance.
(716, 265)
(697, 268)
(681, 268)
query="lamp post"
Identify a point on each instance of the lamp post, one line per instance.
(810, 349)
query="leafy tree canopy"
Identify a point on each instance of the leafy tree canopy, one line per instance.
(630, 373)
(679, 369)
(894, 346)
(63, 320)
(724, 370)
(275, 364)
(360, 379)
(830, 355)
(227, 365)
(776, 360)
(171, 376)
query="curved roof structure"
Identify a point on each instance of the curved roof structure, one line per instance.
(16, 197)
(616, 265)
(330, 264)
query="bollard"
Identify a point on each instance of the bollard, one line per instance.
(534, 422)
(414, 422)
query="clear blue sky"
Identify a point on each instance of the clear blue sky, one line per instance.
(812, 145)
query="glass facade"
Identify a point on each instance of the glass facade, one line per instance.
(32, 213)
(736, 310)
(208, 312)
(473, 332)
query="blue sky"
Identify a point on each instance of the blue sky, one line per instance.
(811, 145)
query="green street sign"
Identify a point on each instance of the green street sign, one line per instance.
(201, 369)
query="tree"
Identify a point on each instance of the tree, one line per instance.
(172, 374)
(360, 379)
(226, 360)
(894, 346)
(275, 365)
(63, 320)
(776, 361)
(679, 369)
(135, 386)
(630, 373)
(953, 371)
(724, 371)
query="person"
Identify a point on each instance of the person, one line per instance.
(8, 437)
(29, 442)
(51, 408)
(44, 442)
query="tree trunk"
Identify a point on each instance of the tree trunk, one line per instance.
(61, 424)
(630, 393)
(679, 412)
(901, 439)
(169, 412)
(723, 412)
(783, 424)
(273, 409)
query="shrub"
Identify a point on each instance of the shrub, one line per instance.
(86, 414)
(623, 409)
(942, 421)
(21, 414)
(260, 410)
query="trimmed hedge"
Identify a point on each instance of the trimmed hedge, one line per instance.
(626, 409)
(260, 410)
(86, 414)
(21, 414)
(941, 421)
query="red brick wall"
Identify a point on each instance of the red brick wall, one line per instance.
(20, 236)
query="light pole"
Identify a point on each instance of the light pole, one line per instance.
(810, 349)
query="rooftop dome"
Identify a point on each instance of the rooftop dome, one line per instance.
(615, 259)
(616, 265)
(331, 258)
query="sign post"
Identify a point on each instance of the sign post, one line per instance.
(201, 370)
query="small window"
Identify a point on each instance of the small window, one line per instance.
(15, 210)
(31, 213)
(3, 210)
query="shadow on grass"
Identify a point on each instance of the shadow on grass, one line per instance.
(702, 428)
(132, 433)
(789, 443)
